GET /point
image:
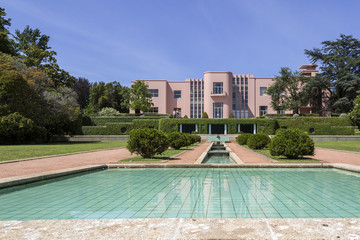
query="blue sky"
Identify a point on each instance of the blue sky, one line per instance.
(125, 40)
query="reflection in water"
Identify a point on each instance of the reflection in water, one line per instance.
(190, 192)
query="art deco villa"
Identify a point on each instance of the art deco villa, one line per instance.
(218, 94)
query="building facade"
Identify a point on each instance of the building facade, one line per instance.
(218, 94)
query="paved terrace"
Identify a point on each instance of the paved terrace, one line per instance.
(170, 228)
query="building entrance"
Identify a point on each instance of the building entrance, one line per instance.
(188, 128)
(218, 129)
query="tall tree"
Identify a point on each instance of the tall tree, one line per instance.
(6, 44)
(318, 91)
(287, 92)
(33, 47)
(111, 95)
(82, 88)
(340, 64)
(355, 113)
(140, 98)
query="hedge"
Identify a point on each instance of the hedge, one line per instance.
(108, 129)
(146, 123)
(267, 126)
(302, 120)
(101, 121)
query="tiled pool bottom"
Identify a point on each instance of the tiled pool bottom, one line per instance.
(188, 192)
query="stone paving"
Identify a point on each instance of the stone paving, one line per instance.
(337, 156)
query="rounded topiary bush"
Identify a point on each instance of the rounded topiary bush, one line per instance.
(242, 138)
(178, 140)
(291, 143)
(258, 141)
(147, 142)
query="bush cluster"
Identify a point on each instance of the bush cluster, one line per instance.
(147, 142)
(178, 140)
(242, 138)
(16, 129)
(258, 141)
(291, 143)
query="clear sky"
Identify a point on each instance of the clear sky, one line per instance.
(125, 40)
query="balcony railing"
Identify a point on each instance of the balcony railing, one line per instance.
(218, 94)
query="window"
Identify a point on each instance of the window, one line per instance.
(263, 110)
(281, 111)
(263, 91)
(217, 88)
(177, 94)
(154, 110)
(154, 92)
(218, 110)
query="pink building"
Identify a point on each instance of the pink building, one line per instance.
(218, 94)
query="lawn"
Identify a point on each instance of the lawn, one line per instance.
(266, 152)
(13, 152)
(158, 158)
(347, 146)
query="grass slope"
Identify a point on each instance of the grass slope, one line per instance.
(13, 152)
(346, 146)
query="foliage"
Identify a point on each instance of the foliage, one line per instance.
(140, 98)
(231, 115)
(34, 50)
(258, 141)
(317, 90)
(287, 92)
(340, 67)
(82, 88)
(205, 115)
(147, 142)
(243, 138)
(6, 44)
(16, 129)
(186, 116)
(291, 143)
(354, 115)
(111, 95)
(178, 140)
(108, 112)
(108, 129)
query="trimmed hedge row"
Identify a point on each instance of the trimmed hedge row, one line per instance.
(267, 126)
(303, 120)
(102, 121)
(108, 129)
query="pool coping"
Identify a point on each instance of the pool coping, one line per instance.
(20, 180)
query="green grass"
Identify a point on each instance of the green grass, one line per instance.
(158, 158)
(346, 146)
(13, 152)
(266, 152)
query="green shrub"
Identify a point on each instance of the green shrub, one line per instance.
(16, 129)
(258, 141)
(231, 115)
(196, 138)
(186, 116)
(178, 140)
(205, 115)
(108, 112)
(147, 142)
(242, 138)
(291, 143)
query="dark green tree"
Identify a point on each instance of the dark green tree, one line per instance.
(6, 44)
(33, 48)
(140, 98)
(317, 90)
(340, 64)
(82, 88)
(111, 95)
(287, 92)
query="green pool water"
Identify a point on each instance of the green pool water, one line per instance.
(187, 192)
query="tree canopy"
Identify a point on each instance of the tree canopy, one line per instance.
(6, 44)
(340, 66)
(287, 91)
(140, 98)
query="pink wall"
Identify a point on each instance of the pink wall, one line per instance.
(226, 98)
(183, 102)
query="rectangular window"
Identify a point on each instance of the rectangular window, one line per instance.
(281, 111)
(217, 88)
(154, 92)
(263, 91)
(263, 110)
(154, 110)
(177, 94)
(218, 110)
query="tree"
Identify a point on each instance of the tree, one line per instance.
(6, 44)
(354, 115)
(317, 90)
(340, 65)
(111, 95)
(34, 49)
(287, 92)
(82, 88)
(140, 98)
(205, 115)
